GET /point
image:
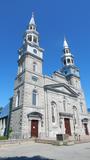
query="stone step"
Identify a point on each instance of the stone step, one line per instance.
(54, 142)
(14, 141)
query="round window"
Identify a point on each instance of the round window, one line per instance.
(35, 51)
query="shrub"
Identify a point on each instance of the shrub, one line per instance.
(3, 137)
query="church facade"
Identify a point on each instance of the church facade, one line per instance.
(45, 106)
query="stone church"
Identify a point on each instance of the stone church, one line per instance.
(45, 106)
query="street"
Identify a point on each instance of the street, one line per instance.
(38, 151)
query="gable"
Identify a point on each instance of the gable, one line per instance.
(61, 88)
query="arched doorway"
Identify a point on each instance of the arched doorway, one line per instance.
(86, 129)
(34, 128)
(67, 126)
(35, 118)
(85, 124)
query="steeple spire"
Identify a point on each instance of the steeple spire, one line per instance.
(69, 69)
(65, 44)
(31, 40)
(67, 57)
(32, 20)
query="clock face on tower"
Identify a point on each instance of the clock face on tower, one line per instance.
(35, 51)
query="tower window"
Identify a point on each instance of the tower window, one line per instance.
(64, 62)
(34, 67)
(33, 27)
(34, 97)
(35, 39)
(67, 50)
(30, 38)
(68, 60)
(30, 27)
(17, 99)
(72, 60)
(20, 68)
(65, 72)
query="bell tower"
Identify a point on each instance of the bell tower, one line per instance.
(68, 58)
(28, 82)
(69, 69)
(31, 47)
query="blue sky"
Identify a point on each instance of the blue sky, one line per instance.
(55, 19)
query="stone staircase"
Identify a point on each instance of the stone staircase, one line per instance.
(69, 141)
(55, 142)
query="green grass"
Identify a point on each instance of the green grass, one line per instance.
(3, 137)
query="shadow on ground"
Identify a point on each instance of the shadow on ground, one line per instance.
(26, 158)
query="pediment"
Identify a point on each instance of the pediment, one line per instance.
(61, 88)
(35, 114)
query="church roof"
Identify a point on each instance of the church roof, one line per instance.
(4, 112)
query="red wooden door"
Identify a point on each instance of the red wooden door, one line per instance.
(67, 126)
(34, 128)
(86, 129)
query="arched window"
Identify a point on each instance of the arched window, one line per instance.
(53, 110)
(67, 50)
(64, 105)
(31, 27)
(34, 67)
(75, 114)
(30, 38)
(35, 39)
(34, 98)
(81, 106)
(17, 99)
(64, 62)
(68, 60)
(72, 61)
(20, 68)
